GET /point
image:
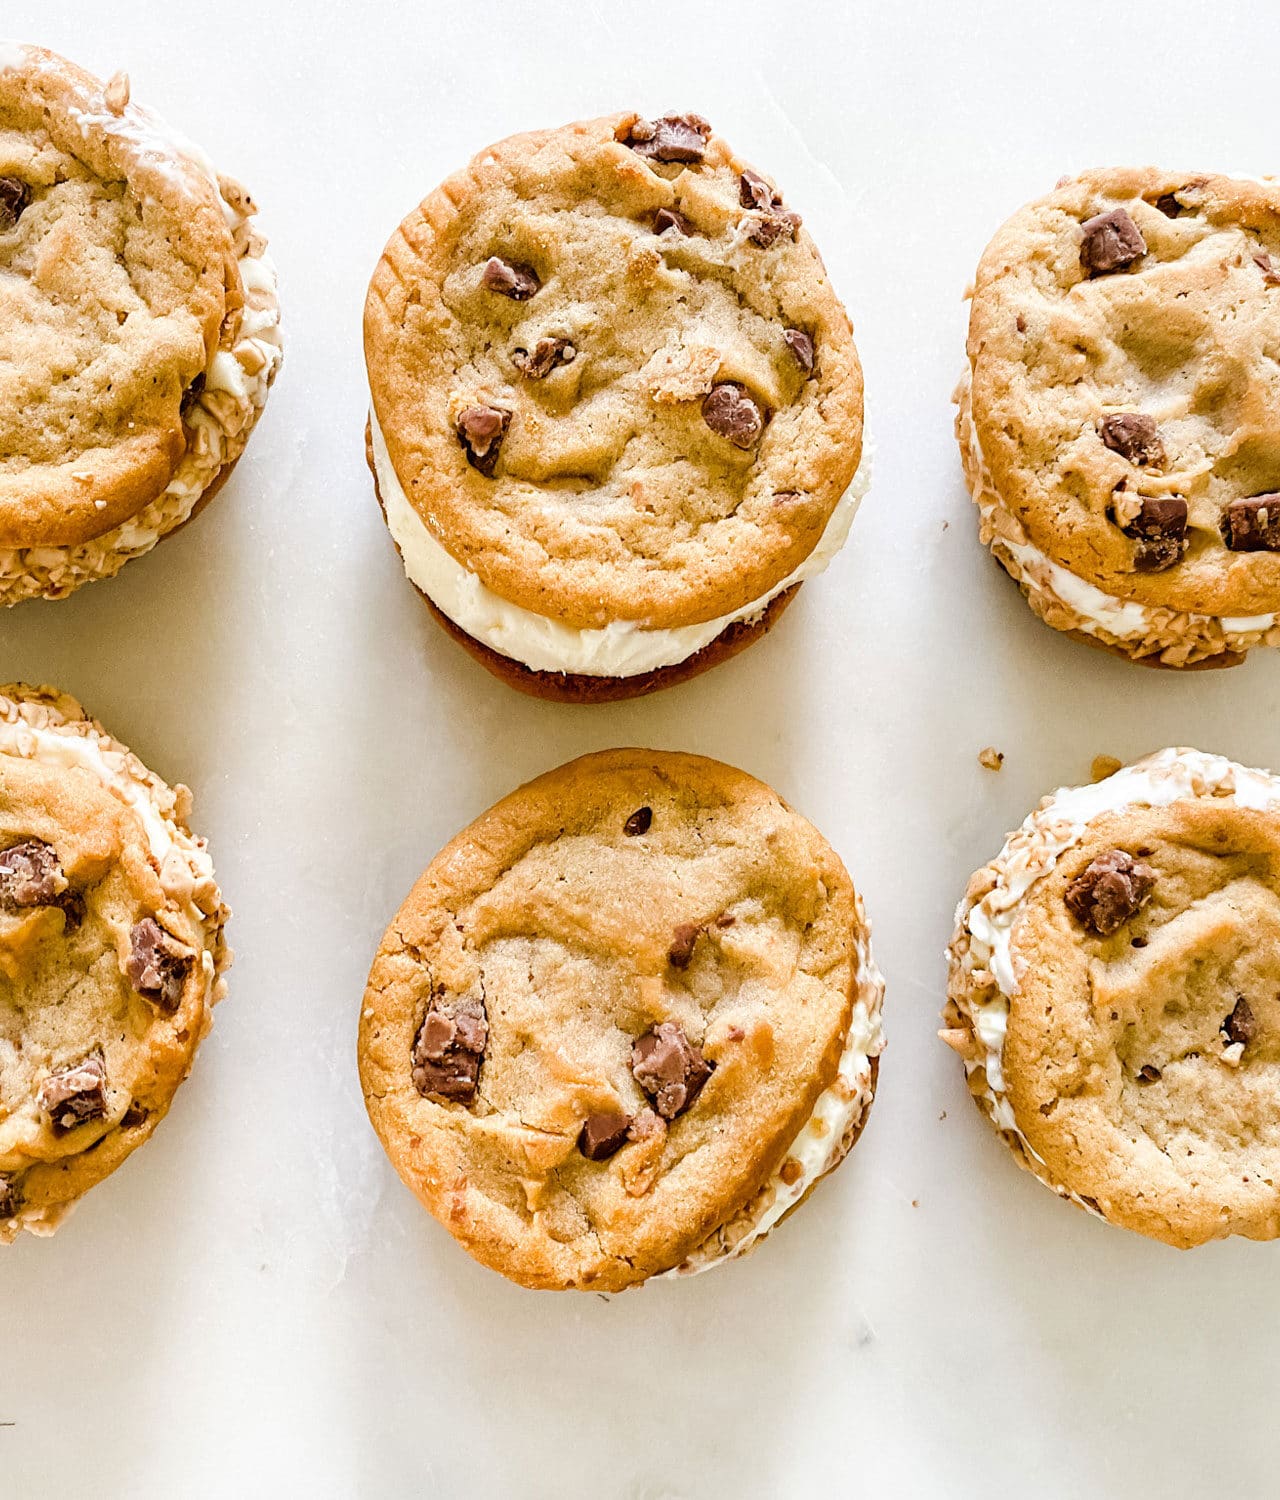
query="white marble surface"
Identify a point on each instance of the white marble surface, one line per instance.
(254, 1305)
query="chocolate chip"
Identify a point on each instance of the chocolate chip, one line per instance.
(158, 964)
(76, 1094)
(766, 229)
(755, 192)
(801, 346)
(448, 1051)
(1133, 435)
(1253, 525)
(1111, 890)
(481, 430)
(731, 413)
(1160, 530)
(1148, 1074)
(726, 919)
(669, 1068)
(638, 822)
(510, 279)
(1111, 242)
(1267, 266)
(30, 875)
(545, 356)
(668, 218)
(602, 1134)
(1241, 1025)
(8, 1198)
(683, 940)
(14, 197)
(134, 1116)
(680, 138)
(1168, 205)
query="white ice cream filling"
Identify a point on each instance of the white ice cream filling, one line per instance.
(623, 648)
(1059, 824)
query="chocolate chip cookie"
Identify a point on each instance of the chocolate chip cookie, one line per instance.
(616, 404)
(1115, 996)
(139, 327)
(111, 954)
(1120, 417)
(623, 1023)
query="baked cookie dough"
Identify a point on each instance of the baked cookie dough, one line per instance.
(623, 1023)
(139, 326)
(111, 954)
(1115, 996)
(616, 404)
(1119, 420)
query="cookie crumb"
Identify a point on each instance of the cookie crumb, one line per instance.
(990, 759)
(116, 93)
(1104, 766)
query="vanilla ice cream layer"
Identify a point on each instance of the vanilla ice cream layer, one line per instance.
(826, 1136)
(984, 943)
(624, 648)
(218, 421)
(1176, 636)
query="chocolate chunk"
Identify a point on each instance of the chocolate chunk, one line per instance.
(1112, 889)
(510, 279)
(158, 964)
(1148, 1074)
(1111, 242)
(638, 822)
(668, 218)
(481, 430)
(1160, 530)
(683, 940)
(8, 1198)
(1168, 205)
(134, 1116)
(448, 1051)
(681, 138)
(755, 192)
(30, 875)
(1267, 266)
(801, 346)
(731, 413)
(602, 1134)
(14, 197)
(1241, 1025)
(1133, 435)
(545, 356)
(76, 1094)
(669, 1068)
(1253, 525)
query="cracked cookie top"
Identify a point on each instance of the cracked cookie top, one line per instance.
(612, 375)
(117, 270)
(1125, 349)
(605, 1012)
(111, 954)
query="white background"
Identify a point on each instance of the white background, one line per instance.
(254, 1305)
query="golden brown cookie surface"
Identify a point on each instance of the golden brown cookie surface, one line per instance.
(111, 954)
(612, 375)
(607, 1011)
(1122, 407)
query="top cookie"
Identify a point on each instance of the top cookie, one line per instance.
(605, 1013)
(117, 270)
(612, 375)
(1124, 390)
